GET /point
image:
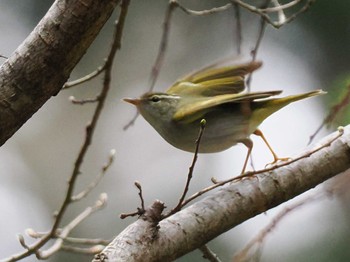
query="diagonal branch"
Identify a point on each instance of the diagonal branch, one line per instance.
(41, 65)
(201, 222)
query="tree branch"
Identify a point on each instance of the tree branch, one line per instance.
(201, 222)
(41, 65)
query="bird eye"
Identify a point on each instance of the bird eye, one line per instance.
(155, 99)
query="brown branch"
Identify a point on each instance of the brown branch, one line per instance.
(55, 46)
(141, 210)
(88, 138)
(45, 254)
(164, 42)
(83, 101)
(265, 170)
(206, 219)
(254, 52)
(97, 180)
(258, 240)
(238, 29)
(333, 112)
(86, 78)
(190, 171)
(263, 12)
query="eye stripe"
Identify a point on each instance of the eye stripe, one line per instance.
(158, 97)
(155, 98)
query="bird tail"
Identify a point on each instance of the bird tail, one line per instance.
(265, 108)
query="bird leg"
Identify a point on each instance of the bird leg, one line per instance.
(275, 157)
(249, 144)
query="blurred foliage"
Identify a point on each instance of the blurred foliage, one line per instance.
(329, 22)
(340, 97)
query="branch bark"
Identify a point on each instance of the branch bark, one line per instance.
(43, 62)
(201, 222)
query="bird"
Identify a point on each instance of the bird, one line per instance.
(217, 95)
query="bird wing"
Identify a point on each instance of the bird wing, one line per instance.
(190, 112)
(212, 80)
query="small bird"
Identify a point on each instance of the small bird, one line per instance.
(216, 95)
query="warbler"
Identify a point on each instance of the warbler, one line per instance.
(216, 95)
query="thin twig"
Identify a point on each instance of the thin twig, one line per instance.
(211, 11)
(278, 7)
(254, 52)
(140, 210)
(280, 11)
(305, 8)
(252, 173)
(97, 180)
(259, 239)
(333, 112)
(87, 241)
(190, 171)
(238, 29)
(262, 12)
(132, 121)
(160, 57)
(86, 78)
(73, 224)
(164, 43)
(208, 254)
(83, 250)
(72, 240)
(138, 185)
(166, 30)
(88, 138)
(83, 101)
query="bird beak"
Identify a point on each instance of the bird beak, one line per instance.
(134, 101)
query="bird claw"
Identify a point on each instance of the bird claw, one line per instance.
(277, 160)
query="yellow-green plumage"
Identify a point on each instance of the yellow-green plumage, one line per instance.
(266, 108)
(216, 95)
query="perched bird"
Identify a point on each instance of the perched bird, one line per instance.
(216, 95)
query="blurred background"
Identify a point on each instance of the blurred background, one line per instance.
(310, 53)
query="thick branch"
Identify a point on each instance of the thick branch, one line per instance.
(43, 62)
(201, 222)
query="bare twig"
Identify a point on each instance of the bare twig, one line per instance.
(72, 240)
(166, 30)
(333, 112)
(252, 173)
(132, 121)
(238, 29)
(204, 12)
(97, 180)
(280, 12)
(259, 239)
(61, 234)
(263, 12)
(278, 7)
(83, 250)
(254, 52)
(160, 57)
(73, 224)
(190, 171)
(83, 101)
(209, 255)
(140, 210)
(86, 78)
(88, 138)
(138, 185)
(164, 42)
